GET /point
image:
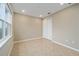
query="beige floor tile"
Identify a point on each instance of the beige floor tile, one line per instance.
(41, 47)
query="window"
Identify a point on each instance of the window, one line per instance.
(8, 21)
(6, 29)
(1, 29)
(5, 22)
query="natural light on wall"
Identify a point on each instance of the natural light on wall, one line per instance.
(5, 23)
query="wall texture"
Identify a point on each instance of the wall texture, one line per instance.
(66, 26)
(27, 27)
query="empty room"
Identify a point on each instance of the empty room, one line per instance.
(39, 29)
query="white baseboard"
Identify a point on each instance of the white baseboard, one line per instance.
(26, 40)
(74, 49)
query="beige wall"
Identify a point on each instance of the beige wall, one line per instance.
(66, 26)
(27, 27)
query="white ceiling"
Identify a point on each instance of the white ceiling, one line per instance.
(37, 9)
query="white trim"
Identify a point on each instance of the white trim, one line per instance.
(4, 41)
(26, 40)
(74, 49)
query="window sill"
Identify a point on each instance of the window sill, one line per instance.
(3, 41)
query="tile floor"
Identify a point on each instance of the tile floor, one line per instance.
(41, 47)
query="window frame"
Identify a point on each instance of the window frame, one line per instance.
(6, 38)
